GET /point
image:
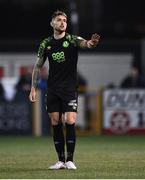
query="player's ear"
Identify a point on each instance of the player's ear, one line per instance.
(51, 23)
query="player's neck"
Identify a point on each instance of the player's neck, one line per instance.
(58, 35)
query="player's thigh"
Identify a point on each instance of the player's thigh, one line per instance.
(70, 104)
(53, 103)
(70, 101)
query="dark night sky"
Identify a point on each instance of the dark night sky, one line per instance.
(23, 19)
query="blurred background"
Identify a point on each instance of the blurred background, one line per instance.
(111, 76)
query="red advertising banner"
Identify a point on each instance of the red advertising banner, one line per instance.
(124, 111)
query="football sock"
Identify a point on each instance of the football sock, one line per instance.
(70, 141)
(58, 138)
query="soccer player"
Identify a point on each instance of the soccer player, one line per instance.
(61, 49)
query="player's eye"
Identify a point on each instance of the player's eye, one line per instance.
(58, 20)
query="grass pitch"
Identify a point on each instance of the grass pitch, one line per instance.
(107, 157)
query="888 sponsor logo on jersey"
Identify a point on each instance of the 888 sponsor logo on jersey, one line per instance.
(58, 56)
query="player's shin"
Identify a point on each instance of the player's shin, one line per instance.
(59, 142)
(70, 140)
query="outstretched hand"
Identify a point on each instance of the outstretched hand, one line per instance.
(94, 39)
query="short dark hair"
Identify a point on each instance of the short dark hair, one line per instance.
(58, 13)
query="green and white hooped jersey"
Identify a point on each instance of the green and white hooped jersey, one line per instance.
(62, 55)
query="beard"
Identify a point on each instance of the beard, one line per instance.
(59, 30)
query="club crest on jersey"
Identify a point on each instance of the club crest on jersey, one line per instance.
(65, 44)
(49, 47)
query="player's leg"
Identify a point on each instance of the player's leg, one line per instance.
(70, 138)
(58, 138)
(54, 109)
(58, 135)
(70, 134)
(70, 109)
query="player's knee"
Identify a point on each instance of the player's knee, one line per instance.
(71, 117)
(54, 121)
(71, 120)
(55, 118)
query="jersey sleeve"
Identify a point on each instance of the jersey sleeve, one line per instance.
(42, 49)
(75, 39)
(78, 40)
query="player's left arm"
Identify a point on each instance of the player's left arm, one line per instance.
(90, 43)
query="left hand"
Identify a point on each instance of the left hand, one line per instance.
(94, 40)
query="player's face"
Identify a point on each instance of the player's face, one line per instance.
(59, 23)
